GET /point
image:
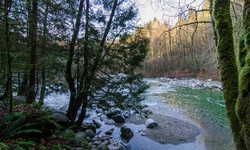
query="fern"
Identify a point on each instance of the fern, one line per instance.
(27, 131)
(3, 146)
(17, 127)
(24, 145)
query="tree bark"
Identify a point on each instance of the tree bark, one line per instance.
(90, 73)
(44, 48)
(86, 83)
(33, 47)
(24, 85)
(227, 65)
(8, 91)
(74, 102)
(243, 103)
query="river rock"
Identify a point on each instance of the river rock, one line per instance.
(91, 126)
(105, 137)
(113, 112)
(88, 139)
(60, 117)
(64, 108)
(97, 142)
(116, 146)
(109, 132)
(80, 135)
(119, 118)
(90, 133)
(103, 145)
(87, 114)
(110, 122)
(126, 132)
(99, 111)
(127, 113)
(150, 123)
(103, 117)
(97, 122)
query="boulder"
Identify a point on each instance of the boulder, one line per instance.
(90, 133)
(60, 117)
(92, 127)
(63, 108)
(150, 123)
(119, 118)
(126, 132)
(113, 112)
(97, 122)
(80, 135)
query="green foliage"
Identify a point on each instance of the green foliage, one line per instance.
(68, 136)
(125, 91)
(3, 146)
(24, 126)
(23, 145)
(14, 125)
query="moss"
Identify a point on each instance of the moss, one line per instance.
(227, 65)
(243, 92)
(242, 53)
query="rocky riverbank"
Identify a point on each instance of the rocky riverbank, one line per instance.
(104, 131)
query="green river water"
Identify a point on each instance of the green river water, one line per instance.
(207, 109)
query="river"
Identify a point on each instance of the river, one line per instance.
(190, 100)
(198, 102)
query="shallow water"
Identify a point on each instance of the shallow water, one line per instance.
(182, 101)
(206, 108)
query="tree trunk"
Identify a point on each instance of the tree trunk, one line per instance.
(42, 92)
(243, 103)
(74, 103)
(90, 73)
(44, 48)
(33, 46)
(85, 73)
(7, 8)
(24, 86)
(227, 65)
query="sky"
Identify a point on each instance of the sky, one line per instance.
(163, 9)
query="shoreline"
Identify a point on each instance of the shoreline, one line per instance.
(171, 130)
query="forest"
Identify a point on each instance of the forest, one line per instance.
(95, 51)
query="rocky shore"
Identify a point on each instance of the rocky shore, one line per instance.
(157, 127)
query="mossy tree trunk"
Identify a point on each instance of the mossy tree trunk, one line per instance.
(234, 86)
(243, 105)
